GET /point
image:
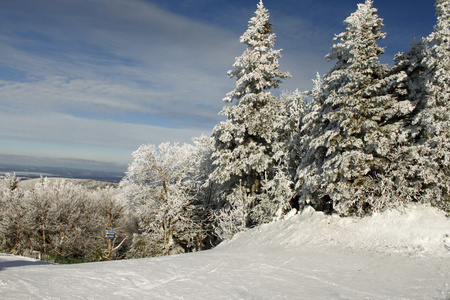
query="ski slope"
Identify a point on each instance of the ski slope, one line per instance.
(310, 255)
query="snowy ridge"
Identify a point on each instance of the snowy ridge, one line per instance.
(417, 230)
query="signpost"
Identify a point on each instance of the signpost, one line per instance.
(110, 235)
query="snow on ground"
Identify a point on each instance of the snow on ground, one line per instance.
(307, 256)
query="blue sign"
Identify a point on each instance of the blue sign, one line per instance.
(110, 234)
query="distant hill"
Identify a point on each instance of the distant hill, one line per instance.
(87, 183)
(30, 172)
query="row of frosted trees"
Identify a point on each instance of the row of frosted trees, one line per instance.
(369, 138)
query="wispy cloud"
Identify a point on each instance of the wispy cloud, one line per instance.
(116, 55)
(62, 135)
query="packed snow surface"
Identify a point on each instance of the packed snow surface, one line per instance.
(393, 255)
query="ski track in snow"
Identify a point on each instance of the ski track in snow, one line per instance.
(308, 256)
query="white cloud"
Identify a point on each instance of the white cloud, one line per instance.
(51, 93)
(59, 135)
(117, 55)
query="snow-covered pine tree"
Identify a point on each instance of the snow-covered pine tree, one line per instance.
(397, 185)
(245, 142)
(429, 169)
(409, 87)
(300, 144)
(350, 143)
(280, 188)
(296, 109)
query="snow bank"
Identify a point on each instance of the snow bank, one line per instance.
(417, 230)
(392, 255)
(11, 261)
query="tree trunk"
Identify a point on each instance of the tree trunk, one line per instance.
(44, 245)
(256, 183)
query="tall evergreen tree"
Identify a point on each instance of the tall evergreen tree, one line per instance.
(350, 141)
(245, 143)
(278, 188)
(399, 183)
(430, 156)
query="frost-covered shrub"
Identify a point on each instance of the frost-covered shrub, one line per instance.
(62, 220)
(13, 232)
(163, 186)
(235, 216)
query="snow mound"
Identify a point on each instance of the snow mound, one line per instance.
(416, 231)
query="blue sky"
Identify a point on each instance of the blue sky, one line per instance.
(85, 82)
